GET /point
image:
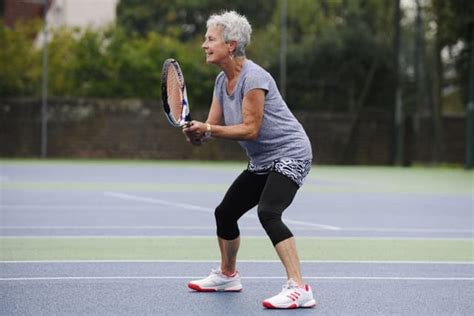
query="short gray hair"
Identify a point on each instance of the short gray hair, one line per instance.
(235, 28)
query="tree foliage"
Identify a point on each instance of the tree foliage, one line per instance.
(20, 72)
(105, 63)
(340, 52)
(341, 61)
(185, 18)
(453, 20)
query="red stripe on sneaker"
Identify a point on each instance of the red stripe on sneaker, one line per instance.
(197, 288)
(270, 306)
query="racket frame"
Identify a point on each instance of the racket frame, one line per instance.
(185, 117)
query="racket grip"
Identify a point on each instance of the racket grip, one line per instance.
(187, 124)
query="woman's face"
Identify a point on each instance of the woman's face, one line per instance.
(214, 46)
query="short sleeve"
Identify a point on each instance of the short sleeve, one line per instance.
(256, 80)
(218, 88)
(218, 85)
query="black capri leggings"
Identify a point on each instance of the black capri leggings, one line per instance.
(273, 192)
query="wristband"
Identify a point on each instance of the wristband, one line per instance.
(208, 132)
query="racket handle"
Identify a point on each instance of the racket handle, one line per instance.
(195, 142)
(187, 124)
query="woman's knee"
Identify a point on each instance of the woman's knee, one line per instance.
(227, 227)
(273, 225)
(219, 213)
(267, 214)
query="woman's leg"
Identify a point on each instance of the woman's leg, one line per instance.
(243, 194)
(277, 195)
(288, 254)
(228, 249)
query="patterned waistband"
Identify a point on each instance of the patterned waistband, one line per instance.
(296, 170)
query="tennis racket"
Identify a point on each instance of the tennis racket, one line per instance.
(173, 94)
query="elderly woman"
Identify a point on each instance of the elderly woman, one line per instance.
(248, 107)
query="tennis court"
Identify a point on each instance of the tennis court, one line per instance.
(124, 238)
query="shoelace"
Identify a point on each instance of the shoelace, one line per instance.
(290, 285)
(219, 273)
(216, 272)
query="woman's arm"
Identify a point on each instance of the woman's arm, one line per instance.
(215, 116)
(252, 114)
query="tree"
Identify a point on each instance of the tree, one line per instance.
(339, 55)
(183, 18)
(20, 61)
(452, 19)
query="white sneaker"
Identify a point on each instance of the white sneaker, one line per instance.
(291, 296)
(217, 281)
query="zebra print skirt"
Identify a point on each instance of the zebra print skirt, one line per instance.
(296, 170)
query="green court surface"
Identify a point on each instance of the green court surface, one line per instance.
(252, 248)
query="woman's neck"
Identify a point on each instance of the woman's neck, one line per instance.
(233, 68)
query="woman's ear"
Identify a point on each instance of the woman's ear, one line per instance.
(232, 46)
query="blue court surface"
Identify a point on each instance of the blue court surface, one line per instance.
(124, 238)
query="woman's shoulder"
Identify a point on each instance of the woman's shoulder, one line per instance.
(255, 69)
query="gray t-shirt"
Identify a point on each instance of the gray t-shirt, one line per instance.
(281, 136)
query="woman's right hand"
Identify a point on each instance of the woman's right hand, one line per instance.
(192, 134)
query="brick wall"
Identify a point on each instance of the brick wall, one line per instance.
(137, 129)
(15, 10)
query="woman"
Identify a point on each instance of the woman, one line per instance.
(248, 107)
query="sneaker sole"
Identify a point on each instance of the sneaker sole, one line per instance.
(308, 304)
(197, 288)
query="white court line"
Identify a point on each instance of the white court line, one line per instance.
(203, 209)
(259, 228)
(309, 226)
(350, 238)
(62, 207)
(243, 261)
(407, 230)
(112, 227)
(347, 278)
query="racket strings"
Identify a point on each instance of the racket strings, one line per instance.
(176, 98)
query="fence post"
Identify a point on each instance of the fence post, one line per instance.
(469, 163)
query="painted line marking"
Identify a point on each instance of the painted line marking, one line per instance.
(316, 238)
(204, 209)
(240, 261)
(407, 230)
(348, 278)
(137, 198)
(242, 227)
(307, 226)
(111, 227)
(62, 207)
